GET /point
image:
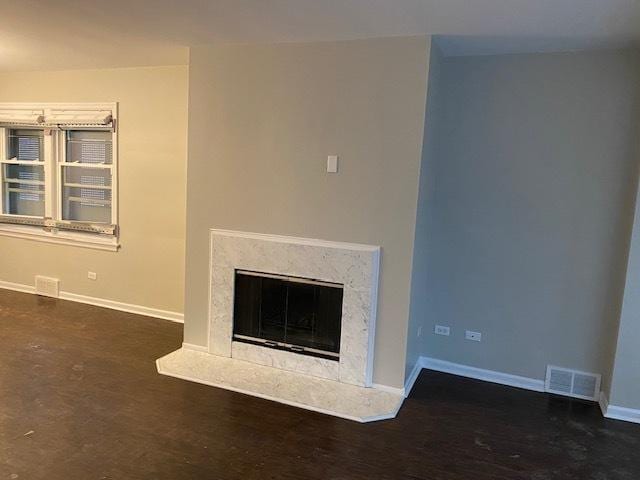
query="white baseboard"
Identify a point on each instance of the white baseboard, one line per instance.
(124, 307)
(618, 413)
(413, 376)
(17, 287)
(622, 413)
(192, 346)
(101, 302)
(463, 371)
(387, 388)
(608, 411)
(481, 374)
(603, 401)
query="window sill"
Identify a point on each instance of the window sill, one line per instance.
(60, 237)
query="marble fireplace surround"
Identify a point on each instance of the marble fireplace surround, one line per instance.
(354, 266)
(341, 388)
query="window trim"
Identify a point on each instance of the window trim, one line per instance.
(54, 158)
(60, 237)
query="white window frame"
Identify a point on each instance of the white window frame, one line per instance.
(54, 162)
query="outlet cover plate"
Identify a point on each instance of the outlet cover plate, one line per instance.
(442, 330)
(474, 336)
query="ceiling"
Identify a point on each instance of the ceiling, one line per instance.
(70, 34)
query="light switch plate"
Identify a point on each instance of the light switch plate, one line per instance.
(332, 164)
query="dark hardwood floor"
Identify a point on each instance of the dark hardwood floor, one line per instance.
(80, 399)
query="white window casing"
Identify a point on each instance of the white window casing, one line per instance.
(74, 167)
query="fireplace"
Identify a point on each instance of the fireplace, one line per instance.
(295, 314)
(293, 320)
(296, 304)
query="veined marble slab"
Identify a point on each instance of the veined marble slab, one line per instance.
(354, 266)
(269, 357)
(299, 390)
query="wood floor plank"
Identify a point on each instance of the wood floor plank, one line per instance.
(80, 399)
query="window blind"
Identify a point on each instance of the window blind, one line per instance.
(78, 118)
(11, 117)
(87, 177)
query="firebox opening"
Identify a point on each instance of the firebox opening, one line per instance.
(288, 313)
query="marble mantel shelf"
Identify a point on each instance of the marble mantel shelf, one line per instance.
(312, 393)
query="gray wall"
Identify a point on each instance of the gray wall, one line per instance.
(533, 197)
(625, 386)
(262, 120)
(419, 306)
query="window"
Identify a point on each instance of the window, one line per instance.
(86, 177)
(59, 173)
(23, 178)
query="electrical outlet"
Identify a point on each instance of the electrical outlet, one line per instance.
(441, 330)
(474, 336)
(420, 331)
(92, 275)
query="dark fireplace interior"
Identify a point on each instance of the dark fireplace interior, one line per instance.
(288, 313)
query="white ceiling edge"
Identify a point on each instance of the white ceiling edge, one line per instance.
(450, 46)
(475, 46)
(45, 35)
(40, 61)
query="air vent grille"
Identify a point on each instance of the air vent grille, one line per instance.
(572, 383)
(584, 385)
(560, 381)
(49, 287)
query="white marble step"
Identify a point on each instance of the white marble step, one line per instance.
(299, 390)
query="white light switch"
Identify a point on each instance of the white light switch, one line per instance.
(332, 164)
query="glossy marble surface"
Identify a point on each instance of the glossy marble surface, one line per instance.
(354, 266)
(314, 366)
(312, 393)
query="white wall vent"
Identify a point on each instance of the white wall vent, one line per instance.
(47, 286)
(572, 383)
